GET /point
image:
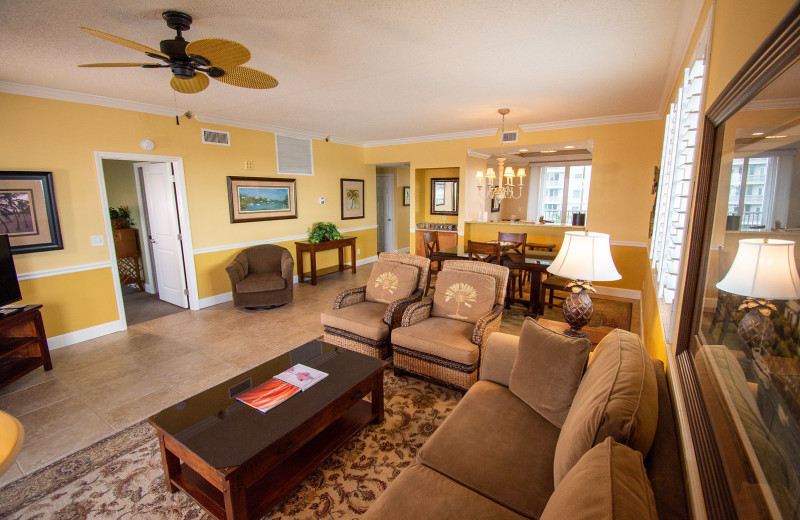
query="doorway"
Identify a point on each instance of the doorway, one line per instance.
(153, 189)
(385, 205)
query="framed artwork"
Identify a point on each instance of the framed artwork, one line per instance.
(352, 198)
(495, 205)
(406, 195)
(28, 213)
(251, 199)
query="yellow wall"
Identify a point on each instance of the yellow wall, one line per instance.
(62, 137)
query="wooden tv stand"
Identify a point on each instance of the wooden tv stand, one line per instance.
(23, 344)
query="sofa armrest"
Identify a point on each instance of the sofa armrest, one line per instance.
(236, 271)
(287, 266)
(416, 312)
(350, 297)
(499, 355)
(486, 325)
(394, 312)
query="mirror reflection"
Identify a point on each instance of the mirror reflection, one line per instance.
(444, 196)
(751, 313)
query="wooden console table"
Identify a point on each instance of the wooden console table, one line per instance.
(596, 334)
(23, 344)
(307, 247)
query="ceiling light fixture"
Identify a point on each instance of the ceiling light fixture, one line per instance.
(758, 133)
(568, 147)
(501, 192)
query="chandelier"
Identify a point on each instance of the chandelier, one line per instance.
(500, 191)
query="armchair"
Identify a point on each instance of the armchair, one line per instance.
(441, 338)
(262, 277)
(362, 318)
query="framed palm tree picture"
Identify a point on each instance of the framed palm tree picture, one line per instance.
(352, 198)
(28, 213)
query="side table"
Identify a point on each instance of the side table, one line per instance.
(23, 344)
(596, 334)
(307, 247)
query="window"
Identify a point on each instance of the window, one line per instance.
(564, 191)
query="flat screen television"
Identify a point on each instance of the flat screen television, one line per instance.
(9, 286)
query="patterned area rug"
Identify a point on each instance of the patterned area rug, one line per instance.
(121, 476)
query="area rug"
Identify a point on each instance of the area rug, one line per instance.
(121, 476)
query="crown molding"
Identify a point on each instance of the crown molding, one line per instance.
(591, 121)
(473, 153)
(488, 132)
(280, 130)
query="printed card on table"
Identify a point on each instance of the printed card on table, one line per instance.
(268, 395)
(301, 376)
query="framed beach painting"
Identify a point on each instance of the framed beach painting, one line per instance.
(352, 198)
(28, 213)
(406, 195)
(251, 199)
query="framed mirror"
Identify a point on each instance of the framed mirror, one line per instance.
(738, 345)
(444, 196)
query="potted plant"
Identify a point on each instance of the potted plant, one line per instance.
(120, 217)
(323, 231)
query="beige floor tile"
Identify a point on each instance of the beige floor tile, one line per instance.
(11, 474)
(38, 376)
(130, 387)
(150, 404)
(84, 379)
(48, 420)
(34, 397)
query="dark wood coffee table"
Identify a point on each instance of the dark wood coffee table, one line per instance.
(237, 462)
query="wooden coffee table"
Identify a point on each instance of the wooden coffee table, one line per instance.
(237, 462)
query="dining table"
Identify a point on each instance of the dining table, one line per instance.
(534, 262)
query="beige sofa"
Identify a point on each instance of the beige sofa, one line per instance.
(539, 437)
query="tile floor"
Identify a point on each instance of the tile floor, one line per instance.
(105, 384)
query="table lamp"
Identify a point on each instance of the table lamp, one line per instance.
(583, 257)
(763, 270)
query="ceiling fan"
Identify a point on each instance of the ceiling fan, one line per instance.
(193, 62)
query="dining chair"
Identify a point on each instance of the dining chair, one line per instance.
(430, 241)
(554, 283)
(516, 253)
(491, 252)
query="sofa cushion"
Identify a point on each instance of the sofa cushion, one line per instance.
(440, 337)
(608, 483)
(618, 397)
(422, 493)
(261, 282)
(364, 319)
(498, 446)
(390, 281)
(548, 369)
(461, 295)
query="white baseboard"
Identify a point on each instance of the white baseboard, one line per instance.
(216, 299)
(367, 260)
(70, 338)
(619, 293)
(404, 250)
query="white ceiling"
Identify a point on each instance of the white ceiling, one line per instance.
(369, 71)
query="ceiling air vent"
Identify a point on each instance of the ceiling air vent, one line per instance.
(216, 137)
(510, 136)
(294, 155)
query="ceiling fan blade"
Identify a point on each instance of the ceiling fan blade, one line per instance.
(219, 52)
(189, 86)
(112, 64)
(122, 41)
(247, 77)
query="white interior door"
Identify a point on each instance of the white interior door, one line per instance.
(162, 215)
(385, 199)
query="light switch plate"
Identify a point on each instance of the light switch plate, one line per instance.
(98, 240)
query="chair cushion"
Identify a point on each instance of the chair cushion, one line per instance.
(421, 493)
(498, 446)
(464, 296)
(390, 281)
(364, 319)
(608, 483)
(618, 397)
(441, 337)
(261, 282)
(548, 369)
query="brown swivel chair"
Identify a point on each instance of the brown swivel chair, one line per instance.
(262, 277)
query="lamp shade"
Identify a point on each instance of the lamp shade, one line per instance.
(763, 269)
(585, 256)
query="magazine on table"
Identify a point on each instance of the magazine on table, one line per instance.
(273, 392)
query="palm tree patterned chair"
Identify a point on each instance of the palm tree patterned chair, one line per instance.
(362, 318)
(441, 338)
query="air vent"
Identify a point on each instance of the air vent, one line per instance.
(510, 136)
(238, 388)
(294, 155)
(216, 137)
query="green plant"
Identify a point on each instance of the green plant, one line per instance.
(120, 212)
(320, 231)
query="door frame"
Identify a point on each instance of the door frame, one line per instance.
(392, 236)
(183, 220)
